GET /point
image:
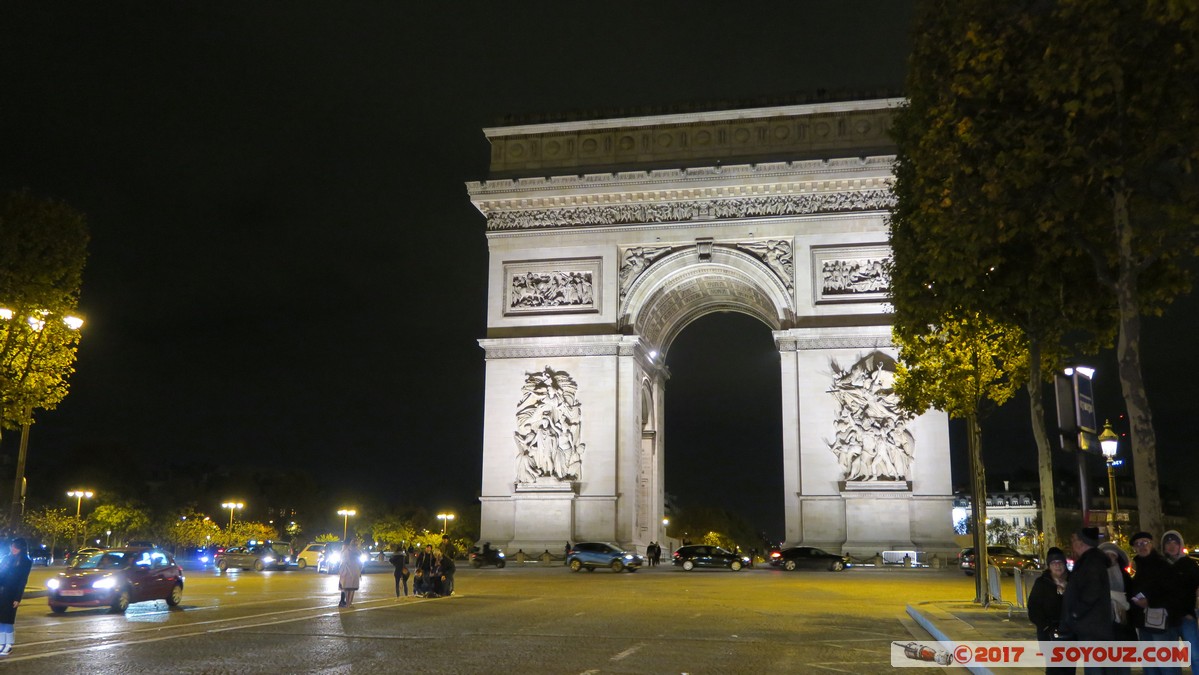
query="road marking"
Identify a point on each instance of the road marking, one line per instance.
(194, 633)
(628, 652)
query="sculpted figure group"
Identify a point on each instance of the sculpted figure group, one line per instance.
(871, 441)
(548, 418)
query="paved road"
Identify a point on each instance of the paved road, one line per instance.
(534, 619)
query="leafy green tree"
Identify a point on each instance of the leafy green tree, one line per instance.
(327, 537)
(1046, 178)
(127, 521)
(52, 524)
(246, 530)
(392, 529)
(964, 367)
(193, 530)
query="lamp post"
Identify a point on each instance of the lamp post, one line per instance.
(107, 538)
(1109, 442)
(79, 496)
(445, 519)
(232, 506)
(345, 523)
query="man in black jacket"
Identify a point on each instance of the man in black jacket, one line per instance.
(1087, 602)
(1186, 576)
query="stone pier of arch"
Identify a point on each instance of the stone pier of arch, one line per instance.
(608, 237)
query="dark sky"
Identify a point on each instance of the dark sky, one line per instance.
(286, 271)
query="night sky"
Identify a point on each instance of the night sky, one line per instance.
(286, 272)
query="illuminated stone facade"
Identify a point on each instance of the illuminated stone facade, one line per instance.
(608, 237)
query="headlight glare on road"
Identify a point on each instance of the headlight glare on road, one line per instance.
(106, 582)
(52, 584)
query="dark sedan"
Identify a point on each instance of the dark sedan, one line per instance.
(115, 579)
(807, 557)
(690, 557)
(258, 556)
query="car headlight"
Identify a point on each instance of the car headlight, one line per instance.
(334, 558)
(501, 554)
(203, 558)
(268, 560)
(106, 582)
(52, 584)
(628, 556)
(363, 558)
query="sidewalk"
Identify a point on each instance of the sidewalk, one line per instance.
(967, 622)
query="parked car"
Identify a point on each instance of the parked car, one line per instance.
(590, 555)
(330, 560)
(116, 578)
(257, 556)
(690, 557)
(309, 556)
(808, 557)
(1005, 558)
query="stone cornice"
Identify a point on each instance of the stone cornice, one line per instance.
(709, 181)
(522, 348)
(791, 343)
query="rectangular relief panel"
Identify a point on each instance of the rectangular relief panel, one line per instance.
(850, 273)
(569, 286)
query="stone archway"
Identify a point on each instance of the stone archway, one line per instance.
(599, 259)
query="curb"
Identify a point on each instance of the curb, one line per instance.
(928, 625)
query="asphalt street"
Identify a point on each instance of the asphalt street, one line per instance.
(537, 619)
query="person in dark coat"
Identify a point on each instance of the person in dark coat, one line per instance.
(1186, 577)
(1045, 602)
(14, 574)
(1155, 586)
(400, 562)
(443, 574)
(1087, 603)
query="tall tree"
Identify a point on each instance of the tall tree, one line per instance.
(1043, 150)
(52, 524)
(43, 247)
(963, 365)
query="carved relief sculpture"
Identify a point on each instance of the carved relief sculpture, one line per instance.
(851, 277)
(548, 419)
(872, 441)
(634, 262)
(776, 253)
(551, 289)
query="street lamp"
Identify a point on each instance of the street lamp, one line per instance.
(445, 519)
(232, 506)
(1109, 442)
(107, 538)
(345, 523)
(79, 496)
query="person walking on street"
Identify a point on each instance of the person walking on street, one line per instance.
(14, 574)
(350, 575)
(400, 562)
(1087, 602)
(1155, 592)
(1186, 573)
(566, 554)
(1045, 603)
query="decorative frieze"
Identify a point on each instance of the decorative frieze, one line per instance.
(871, 440)
(552, 286)
(681, 211)
(850, 273)
(548, 419)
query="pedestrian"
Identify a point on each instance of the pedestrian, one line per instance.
(1155, 589)
(1120, 582)
(1086, 604)
(424, 572)
(443, 578)
(14, 574)
(447, 547)
(1045, 603)
(565, 554)
(400, 562)
(1186, 578)
(350, 574)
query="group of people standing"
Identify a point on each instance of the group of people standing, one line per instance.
(431, 571)
(1100, 600)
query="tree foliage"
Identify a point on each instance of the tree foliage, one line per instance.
(1046, 177)
(52, 524)
(127, 521)
(43, 248)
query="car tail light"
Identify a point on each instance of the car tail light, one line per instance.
(776, 554)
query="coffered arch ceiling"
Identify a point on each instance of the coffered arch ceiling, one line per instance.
(681, 288)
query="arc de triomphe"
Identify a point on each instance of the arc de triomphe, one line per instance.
(608, 237)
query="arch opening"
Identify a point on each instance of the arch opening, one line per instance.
(723, 429)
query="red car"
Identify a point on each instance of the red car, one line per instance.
(117, 578)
